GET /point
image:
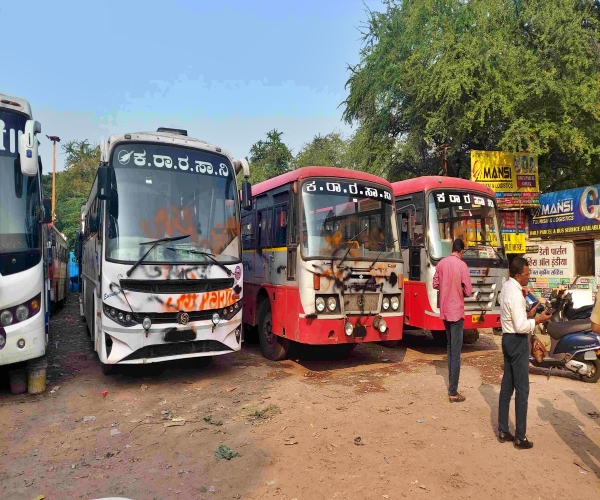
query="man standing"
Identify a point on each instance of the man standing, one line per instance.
(517, 325)
(453, 282)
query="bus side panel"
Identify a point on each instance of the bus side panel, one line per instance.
(285, 308)
(250, 312)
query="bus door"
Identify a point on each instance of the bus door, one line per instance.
(411, 225)
(261, 261)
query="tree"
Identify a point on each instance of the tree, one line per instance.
(269, 158)
(441, 78)
(73, 185)
(329, 150)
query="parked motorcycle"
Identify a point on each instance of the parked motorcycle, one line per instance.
(574, 347)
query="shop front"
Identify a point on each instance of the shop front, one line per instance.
(564, 243)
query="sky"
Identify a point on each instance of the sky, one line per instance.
(228, 71)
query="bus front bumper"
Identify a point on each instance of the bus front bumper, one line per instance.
(32, 332)
(330, 331)
(133, 346)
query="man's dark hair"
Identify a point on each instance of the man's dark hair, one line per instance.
(517, 265)
(458, 245)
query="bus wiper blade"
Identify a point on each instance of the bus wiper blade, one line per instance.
(353, 239)
(205, 254)
(154, 243)
(383, 246)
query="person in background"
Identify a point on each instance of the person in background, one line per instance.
(453, 282)
(517, 325)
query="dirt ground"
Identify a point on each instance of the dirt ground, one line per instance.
(377, 425)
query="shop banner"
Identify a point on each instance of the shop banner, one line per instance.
(514, 243)
(513, 231)
(513, 177)
(551, 266)
(567, 213)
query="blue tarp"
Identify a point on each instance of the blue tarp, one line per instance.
(73, 273)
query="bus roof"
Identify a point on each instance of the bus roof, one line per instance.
(425, 183)
(304, 172)
(16, 104)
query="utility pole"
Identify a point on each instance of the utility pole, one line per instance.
(54, 139)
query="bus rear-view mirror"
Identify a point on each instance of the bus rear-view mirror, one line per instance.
(46, 210)
(28, 148)
(103, 192)
(247, 195)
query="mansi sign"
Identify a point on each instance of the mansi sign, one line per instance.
(513, 177)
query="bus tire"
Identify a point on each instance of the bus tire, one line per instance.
(470, 336)
(272, 346)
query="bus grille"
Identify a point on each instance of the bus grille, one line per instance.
(176, 286)
(361, 303)
(177, 349)
(171, 317)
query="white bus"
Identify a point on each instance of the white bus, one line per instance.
(161, 251)
(23, 316)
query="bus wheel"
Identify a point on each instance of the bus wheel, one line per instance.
(470, 336)
(272, 346)
(439, 336)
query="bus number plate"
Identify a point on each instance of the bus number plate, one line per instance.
(477, 318)
(360, 331)
(180, 335)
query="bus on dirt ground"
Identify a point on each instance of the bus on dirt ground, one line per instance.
(322, 262)
(57, 263)
(23, 320)
(161, 257)
(432, 212)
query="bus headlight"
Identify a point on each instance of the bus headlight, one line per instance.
(379, 324)
(348, 328)
(146, 323)
(6, 318)
(385, 304)
(331, 304)
(22, 313)
(320, 304)
(216, 318)
(493, 286)
(395, 301)
(2, 340)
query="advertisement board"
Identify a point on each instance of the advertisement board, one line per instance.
(567, 213)
(513, 176)
(552, 265)
(513, 231)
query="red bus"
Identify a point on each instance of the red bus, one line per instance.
(432, 212)
(322, 262)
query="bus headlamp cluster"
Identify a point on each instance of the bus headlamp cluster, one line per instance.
(124, 318)
(390, 301)
(21, 312)
(326, 302)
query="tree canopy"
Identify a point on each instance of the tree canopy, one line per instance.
(439, 78)
(269, 158)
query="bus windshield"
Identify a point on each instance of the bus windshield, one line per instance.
(19, 195)
(469, 216)
(166, 191)
(345, 216)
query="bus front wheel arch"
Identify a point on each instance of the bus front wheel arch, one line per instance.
(272, 346)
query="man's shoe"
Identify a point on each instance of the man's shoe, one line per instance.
(523, 444)
(458, 398)
(505, 436)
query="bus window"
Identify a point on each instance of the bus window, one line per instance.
(280, 226)
(247, 234)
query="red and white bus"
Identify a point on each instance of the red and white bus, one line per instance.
(57, 263)
(322, 262)
(432, 212)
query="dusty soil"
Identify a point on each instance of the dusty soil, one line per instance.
(294, 425)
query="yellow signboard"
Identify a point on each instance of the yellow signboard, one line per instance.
(514, 243)
(513, 176)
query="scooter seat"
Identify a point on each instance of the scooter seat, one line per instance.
(558, 329)
(580, 312)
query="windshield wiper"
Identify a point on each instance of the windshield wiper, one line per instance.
(205, 254)
(353, 239)
(383, 246)
(154, 243)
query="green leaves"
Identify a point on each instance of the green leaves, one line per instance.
(483, 74)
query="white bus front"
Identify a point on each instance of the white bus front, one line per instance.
(22, 301)
(167, 255)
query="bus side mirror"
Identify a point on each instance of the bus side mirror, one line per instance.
(28, 148)
(247, 195)
(103, 192)
(47, 211)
